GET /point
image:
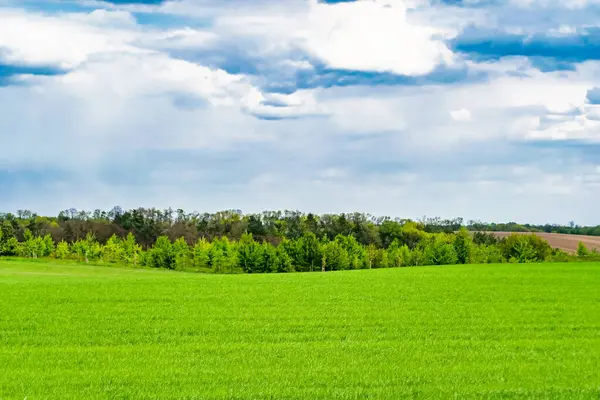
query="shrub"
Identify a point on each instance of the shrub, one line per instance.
(358, 256)
(269, 261)
(398, 256)
(486, 254)
(462, 246)
(201, 254)
(582, 250)
(525, 248)
(249, 254)
(182, 254)
(376, 258)
(35, 247)
(438, 252)
(485, 238)
(335, 257)
(87, 249)
(112, 251)
(417, 257)
(62, 251)
(223, 255)
(161, 255)
(559, 256)
(131, 250)
(285, 263)
(10, 247)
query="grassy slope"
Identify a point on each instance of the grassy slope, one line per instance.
(75, 332)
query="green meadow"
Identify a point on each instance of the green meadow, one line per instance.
(71, 331)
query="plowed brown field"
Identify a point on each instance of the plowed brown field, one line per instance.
(561, 241)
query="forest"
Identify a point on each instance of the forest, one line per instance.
(273, 241)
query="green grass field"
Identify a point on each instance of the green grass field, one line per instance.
(509, 331)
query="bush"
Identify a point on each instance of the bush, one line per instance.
(488, 239)
(131, 250)
(182, 254)
(559, 256)
(201, 254)
(376, 258)
(462, 246)
(285, 263)
(161, 255)
(358, 256)
(398, 256)
(439, 252)
(525, 248)
(417, 257)
(87, 249)
(486, 254)
(269, 261)
(62, 251)
(582, 250)
(112, 251)
(249, 254)
(223, 255)
(35, 247)
(335, 257)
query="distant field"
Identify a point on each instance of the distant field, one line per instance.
(561, 241)
(495, 331)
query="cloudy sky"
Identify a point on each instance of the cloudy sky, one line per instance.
(485, 109)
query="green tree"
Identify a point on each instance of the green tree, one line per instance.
(10, 247)
(29, 246)
(269, 261)
(285, 263)
(308, 252)
(112, 251)
(35, 246)
(486, 254)
(249, 254)
(525, 248)
(131, 250)
(201, 253)
(182, 254)
(63, 250)
(438, 251)
(582, 250)
(357, 254)
(398, 255)
(390, 231)
(87, 249)
(462, 246)
(411, 234)
(335, 257)
(223, 255)
(161, 255)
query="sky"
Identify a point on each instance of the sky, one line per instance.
(481, 109)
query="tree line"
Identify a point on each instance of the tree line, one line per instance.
(147, 224)
(230, 242)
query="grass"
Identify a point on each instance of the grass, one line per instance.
(500, 331)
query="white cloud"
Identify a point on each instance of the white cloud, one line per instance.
(462, 115)
(133, 124)
(184, 38)
(371, 36)
(366, 115)
(366, 35)
(61, 41)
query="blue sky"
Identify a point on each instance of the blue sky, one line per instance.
(485, 109)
